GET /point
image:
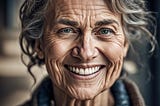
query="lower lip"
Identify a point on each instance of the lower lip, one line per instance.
(87, 77)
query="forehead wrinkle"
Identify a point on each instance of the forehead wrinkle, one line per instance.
(74, 9)
(80, 12)
(84, 5)
(84, 12)
(72, 14)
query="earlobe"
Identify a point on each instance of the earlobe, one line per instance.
(38, 49)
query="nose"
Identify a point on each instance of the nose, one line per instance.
(85, 49)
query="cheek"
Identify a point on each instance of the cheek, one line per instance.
(114, 54)
(55, 50)
(113, 51)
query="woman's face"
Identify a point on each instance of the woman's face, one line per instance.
(84, 48)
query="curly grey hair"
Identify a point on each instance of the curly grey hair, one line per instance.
(137, 21)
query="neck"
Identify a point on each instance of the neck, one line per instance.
(105, 98)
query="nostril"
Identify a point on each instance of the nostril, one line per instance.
(84, 54)
(75, 52)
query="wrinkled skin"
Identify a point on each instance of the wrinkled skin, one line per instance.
(83, 34)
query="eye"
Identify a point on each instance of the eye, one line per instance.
(105, 31)
(66, 31)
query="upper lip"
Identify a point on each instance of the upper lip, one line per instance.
(85, 66)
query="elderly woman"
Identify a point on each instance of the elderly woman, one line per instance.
(83, 44)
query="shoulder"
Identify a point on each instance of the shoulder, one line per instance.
(134, 93)
(42, 94)
(126, 93)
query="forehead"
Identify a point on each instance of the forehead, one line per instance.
(83, 9)
(83, 4)
(80, 2)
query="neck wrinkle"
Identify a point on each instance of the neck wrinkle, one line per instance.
(105, 98)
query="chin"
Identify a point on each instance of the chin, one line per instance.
(83, 93)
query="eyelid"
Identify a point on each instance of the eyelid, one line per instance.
(61, 29)
(98, 29)
(75, 31)
(106, 26)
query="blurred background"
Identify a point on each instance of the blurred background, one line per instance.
(16, 83)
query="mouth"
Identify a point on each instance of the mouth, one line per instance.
(84, 70)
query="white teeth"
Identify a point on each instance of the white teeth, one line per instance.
(81, 71)
(77, 70)
(84, 71)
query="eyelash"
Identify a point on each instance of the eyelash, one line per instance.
(101, 31)
(109, 31)
(62, 30)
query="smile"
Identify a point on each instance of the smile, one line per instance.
(83, 71)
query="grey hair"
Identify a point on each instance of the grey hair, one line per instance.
(137, 21)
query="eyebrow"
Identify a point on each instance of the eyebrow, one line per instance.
(106, 22)
(98, 23)
(68, 22)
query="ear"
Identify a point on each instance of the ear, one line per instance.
(38, 48)
(126, 47)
